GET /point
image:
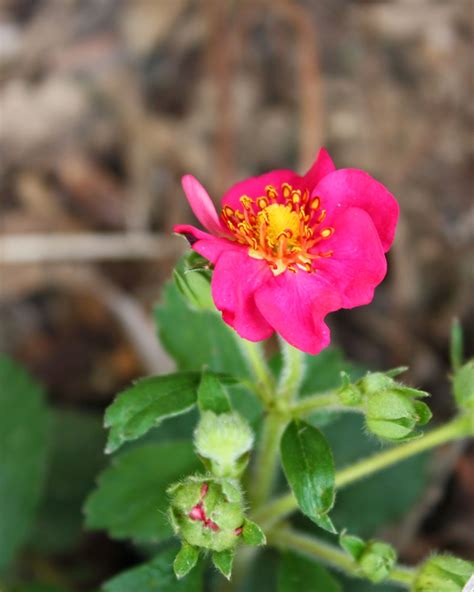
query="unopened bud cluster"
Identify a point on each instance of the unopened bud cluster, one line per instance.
(392, 410)
(207, 512)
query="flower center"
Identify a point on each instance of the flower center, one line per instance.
(283, 228)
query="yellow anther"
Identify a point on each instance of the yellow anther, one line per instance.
(246, 201)
(286, 190)
(321, 216)
(262, 202)
(327, 232)
(315, 203)
(271, 192)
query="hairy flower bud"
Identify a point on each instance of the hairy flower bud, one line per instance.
(443, 573)
(207, 512)
(193, 279)
(392, 411)
(223, 442)
(377, 561)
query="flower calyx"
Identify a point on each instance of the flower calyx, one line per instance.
(392, 410)
(375, 559)
(443, 572)
(208, 514)
(463, 387)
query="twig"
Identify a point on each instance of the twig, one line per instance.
(39, 248)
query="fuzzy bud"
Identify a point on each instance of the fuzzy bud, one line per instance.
(392, 411)
(443, 573)
(377, 561)
(207, 512)
(223, 442)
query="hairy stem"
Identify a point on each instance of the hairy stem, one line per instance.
(265, 383)
(328, 401)
(292, 372)
(286, 504)
(287, 538)
(266, 464)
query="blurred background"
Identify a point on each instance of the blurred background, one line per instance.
(105, 104)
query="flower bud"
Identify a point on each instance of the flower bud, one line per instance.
(193, 279)
(207, 512)
(463, 386)
(223, 442)
(443, 573)
(377, 561)
(392, 411)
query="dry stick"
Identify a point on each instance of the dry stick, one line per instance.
(40, 248)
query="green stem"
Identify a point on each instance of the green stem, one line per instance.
(292, 372)
(254, 355)
(267, 457)
(328, 400)
(286, 504)
(332, 556)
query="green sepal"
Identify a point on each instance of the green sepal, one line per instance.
(423, 412)
(223, 562)
(252, 534)
(185, 560)
(463, 386)
(352, 544)
(396, 371)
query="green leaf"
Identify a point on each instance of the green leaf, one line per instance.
(223, 561)
(147, 403)
(211, 394)
(185, 560)
(252, 534)
(301, 574)
(309, 468)
(375, 509)
(130, 500)
(157, 575)
(24, 422)
(76, 457)
(203, 339)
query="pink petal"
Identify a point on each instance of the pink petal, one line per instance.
(358, 262)
(322, 166)
(202, 205)
(346, 188)
(255, 186)
(207, 245)
(295, 305)
(235, 279)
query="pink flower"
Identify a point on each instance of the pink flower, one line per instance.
(287, 250)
